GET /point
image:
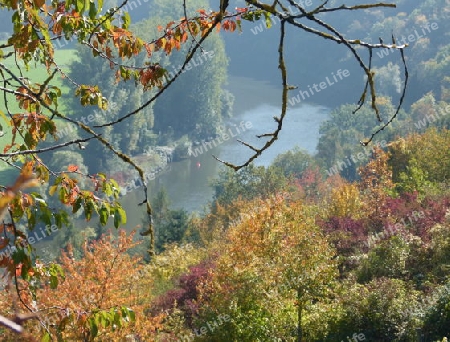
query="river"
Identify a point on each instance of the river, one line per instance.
(256, 103)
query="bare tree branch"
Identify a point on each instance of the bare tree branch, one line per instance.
(402, 98)
(17, 328)
(279, 120)
(46, 149)
(330, 34)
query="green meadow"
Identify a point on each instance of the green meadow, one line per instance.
(36, 74)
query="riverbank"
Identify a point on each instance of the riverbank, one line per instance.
(153, 162)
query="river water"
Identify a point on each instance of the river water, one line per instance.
(256, 103)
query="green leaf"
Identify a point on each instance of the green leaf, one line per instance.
(53, 282)
(62, 194)
(46, 35)
(120, 217)
(79, 6)
(28, 140)
(19, 256)
(31, 219)
(16, 19)
(58, 220)
(77, 205)
(115, 188)
(132, 315)
(89, 208)
(107, 189)
(101, 175)
(92, 10)
(268, 21)
(56, 270)
(128, 313)
(126, 20)
(46, 337)
(116, 219)
(46, 217)
(118, 319)
(123, 215)
(103, 318)
(58, 180)
(104, 214)
(61, 217)
(94, 327)
(107, 25)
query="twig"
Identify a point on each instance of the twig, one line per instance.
(273, 135)
(45, 149)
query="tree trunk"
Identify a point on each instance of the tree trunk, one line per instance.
(299, 315)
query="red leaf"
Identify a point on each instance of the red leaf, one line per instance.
(18, 270)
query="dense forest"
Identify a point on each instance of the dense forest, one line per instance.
(350, 243)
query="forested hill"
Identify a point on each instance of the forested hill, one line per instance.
(424, 25)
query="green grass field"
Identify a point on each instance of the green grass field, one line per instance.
(36, 74)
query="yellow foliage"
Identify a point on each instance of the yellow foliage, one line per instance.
(274, 249)
(345, 201)
(174, 261)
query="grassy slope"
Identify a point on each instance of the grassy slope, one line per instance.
(36, 74)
